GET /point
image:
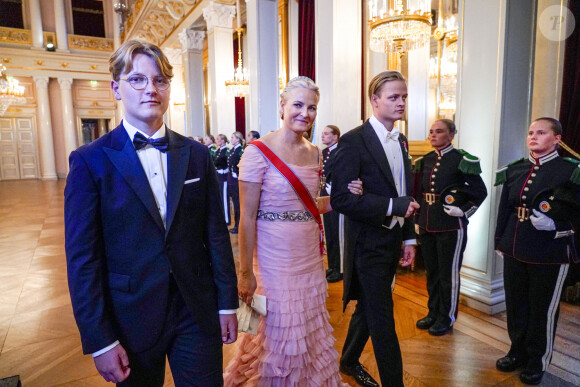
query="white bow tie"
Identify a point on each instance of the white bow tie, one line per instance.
(393, 135)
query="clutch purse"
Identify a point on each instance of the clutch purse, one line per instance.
(249, 316)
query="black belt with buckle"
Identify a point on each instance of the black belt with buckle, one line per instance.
(430, 198)
(522, 213)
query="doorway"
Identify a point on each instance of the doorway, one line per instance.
(18, 151)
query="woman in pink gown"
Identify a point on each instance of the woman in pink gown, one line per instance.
(281, 259)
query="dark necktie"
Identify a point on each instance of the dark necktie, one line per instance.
(140, 142)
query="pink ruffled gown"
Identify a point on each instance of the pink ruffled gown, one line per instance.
(294, 345)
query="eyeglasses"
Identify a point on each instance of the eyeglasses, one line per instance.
(140, 81)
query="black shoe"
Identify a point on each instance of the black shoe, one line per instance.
(439, 329)
(530, 377)
(329, 271)
(509, 363)
(334, 277)
(426, 322)
(358, 373)
(234, 230)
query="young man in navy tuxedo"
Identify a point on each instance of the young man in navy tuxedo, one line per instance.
(150, 266)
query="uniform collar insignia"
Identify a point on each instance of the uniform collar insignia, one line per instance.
(544, 159)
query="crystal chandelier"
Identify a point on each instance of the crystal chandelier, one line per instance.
(397, 30)
(10, 92)
(239, 86)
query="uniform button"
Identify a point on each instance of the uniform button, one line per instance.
(433, 176)
(432, 189)
(435, 170)
(526, 189)
(533, 175)
(438, 164)
(524, 205)
(530, 182)
(524, 197)
(432, 183)
(536, 168)
(439, 158)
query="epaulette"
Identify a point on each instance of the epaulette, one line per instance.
(575, 177)
(469, 164)
(501, 174)
(418, 166)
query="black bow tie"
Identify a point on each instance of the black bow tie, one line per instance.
(140, 142)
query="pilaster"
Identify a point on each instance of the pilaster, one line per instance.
(70, 134)
(60, 23)
(45, 139)
(263, 46)
(219, 18)
(192, 54)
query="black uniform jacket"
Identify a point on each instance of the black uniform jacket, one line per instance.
(326, 169)
(517, 237)
(439, 170)
(233, 161)
(221, 159)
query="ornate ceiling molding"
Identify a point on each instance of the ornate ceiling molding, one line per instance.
(158, 20)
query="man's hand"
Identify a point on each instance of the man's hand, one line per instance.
(113, 365)
(408, 255)
(413, 206)
(229, 327)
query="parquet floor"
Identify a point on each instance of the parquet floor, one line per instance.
(39, 340)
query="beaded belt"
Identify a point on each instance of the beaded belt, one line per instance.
(293, 216)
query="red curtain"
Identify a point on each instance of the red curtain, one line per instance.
(570, 102)
(306, 38)
(240, 103)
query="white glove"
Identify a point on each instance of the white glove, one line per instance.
(453, 210)
(542, 222)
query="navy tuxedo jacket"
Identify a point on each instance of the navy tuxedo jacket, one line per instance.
(360, 154)
(120, 257)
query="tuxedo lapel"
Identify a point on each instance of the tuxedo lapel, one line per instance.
(124, 157)
(177, 164)
(375, 148)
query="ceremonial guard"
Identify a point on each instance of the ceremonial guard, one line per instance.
(234, 157)
(221, 165)
(451, 190)
(330, 137)
(538, 213)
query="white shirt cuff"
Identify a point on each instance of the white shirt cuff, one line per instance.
(410, 242)
(390, 210)
(106, 349)
(227, 311)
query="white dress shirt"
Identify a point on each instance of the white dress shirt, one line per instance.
(394, 155)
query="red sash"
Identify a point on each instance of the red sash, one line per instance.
(296, 184)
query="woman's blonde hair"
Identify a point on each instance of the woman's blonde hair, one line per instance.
(122, 60)
(300, 82)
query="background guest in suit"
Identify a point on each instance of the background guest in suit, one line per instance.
(251, 136)
(330, 136)
(451, 191)
(221, 165)
(148, 253)
(536, 245)
(378, 221)
(234, 157)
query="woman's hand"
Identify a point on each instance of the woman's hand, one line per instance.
(356, 187)
(246, 287)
